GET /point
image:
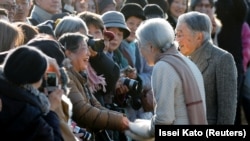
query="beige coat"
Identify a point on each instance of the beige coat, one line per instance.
(86, 114)
(64, 114)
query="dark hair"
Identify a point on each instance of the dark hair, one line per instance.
(194, 3)
(169, 2)
(91, 18)
(71, 40)
(229, 11)
(29, 31)
(10, 34)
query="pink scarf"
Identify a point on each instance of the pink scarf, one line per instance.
(95, 82)
(194, 103)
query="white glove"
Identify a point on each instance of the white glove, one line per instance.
(139, 130)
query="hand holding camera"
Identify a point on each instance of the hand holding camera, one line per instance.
(51, 81)
(52, 89)
(55, 99)
(128, 78)
(80, 132)
(134, 86)
(99, 45)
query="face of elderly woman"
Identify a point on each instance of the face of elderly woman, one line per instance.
(80, 57)
(147, 52)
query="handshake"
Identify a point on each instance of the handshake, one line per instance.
(140, 130)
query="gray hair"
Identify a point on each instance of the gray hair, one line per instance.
(158, 32)
(70, 24)
(197, 22)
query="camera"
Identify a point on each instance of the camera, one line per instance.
(96, 44)
(135, 88)
(114, 107)
(51, 81)
(130, 83)
(86, 135)
(134, 100)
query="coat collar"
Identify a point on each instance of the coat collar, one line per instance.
(202, 55)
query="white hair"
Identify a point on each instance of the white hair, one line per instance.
(158, 32)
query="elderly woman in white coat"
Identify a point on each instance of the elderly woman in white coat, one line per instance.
(176, 81)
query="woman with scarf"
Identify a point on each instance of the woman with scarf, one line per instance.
(176, 82)
(25, 112)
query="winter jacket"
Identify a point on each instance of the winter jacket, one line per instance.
(87, 110)
(22, 117)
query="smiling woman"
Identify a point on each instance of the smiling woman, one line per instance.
(177, 83)
(85, 104)
(76, 50)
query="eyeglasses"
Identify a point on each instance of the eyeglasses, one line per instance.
(8, 6)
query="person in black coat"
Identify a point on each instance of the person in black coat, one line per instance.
(232, 14)
(25, 113)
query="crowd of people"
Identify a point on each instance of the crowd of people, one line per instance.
(120, 67)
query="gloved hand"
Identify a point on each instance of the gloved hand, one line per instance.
(139, 130)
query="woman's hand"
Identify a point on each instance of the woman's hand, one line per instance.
(55, 99)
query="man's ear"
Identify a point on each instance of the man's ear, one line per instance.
(200, 36)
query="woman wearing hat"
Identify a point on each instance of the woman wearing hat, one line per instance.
(142, 72)
(25, 112)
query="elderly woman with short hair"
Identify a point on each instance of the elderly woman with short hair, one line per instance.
(176, 81)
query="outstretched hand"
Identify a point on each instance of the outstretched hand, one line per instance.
(139, 130)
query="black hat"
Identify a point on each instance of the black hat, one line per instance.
(142, 3)
(47, 27)
(104, 3)
(25, 65)
(50, 47)
(132, 9)
(153, 11)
